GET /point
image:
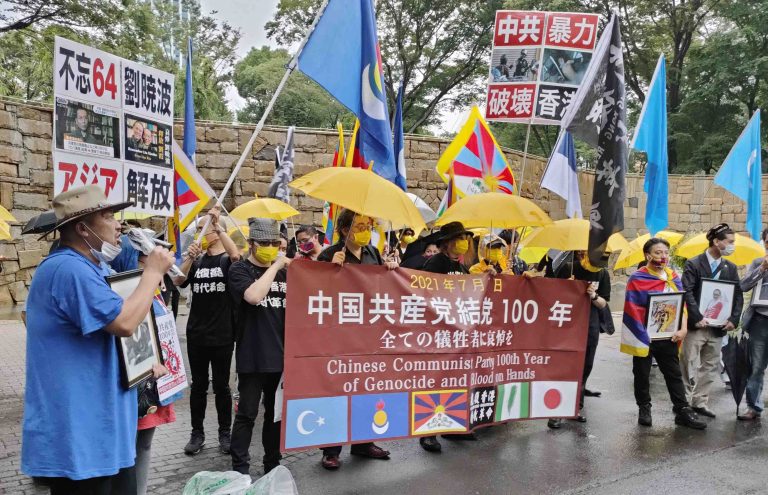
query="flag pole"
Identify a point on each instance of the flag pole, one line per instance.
(525, 158)
(288, 70)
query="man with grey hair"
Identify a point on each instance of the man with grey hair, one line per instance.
(258, 286)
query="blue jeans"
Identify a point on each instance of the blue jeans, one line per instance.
(758, 351)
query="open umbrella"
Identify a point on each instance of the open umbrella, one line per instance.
(737, 364)
(5, 231)
(427, 213)
(633, 254)
(263, 208)
(747, 249)
(497, 210)
(363, 192)
(571, 234)
(40, 223)
(5, 215)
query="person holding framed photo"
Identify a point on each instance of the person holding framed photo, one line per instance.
(653, 279)
(714, 301)
(79, 431)
(756, 325)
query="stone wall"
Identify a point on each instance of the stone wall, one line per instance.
(26, 181)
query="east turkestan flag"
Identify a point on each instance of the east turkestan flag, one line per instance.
(597, 116)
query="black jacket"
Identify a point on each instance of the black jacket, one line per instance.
(695, 270)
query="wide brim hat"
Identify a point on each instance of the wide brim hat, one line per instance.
(451, 230)
(263, 229)
(79, 202)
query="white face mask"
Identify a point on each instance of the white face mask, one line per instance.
(728, 250)
(108, 251)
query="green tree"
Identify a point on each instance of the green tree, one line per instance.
(302, 102)
(438, 49)
(16, 15)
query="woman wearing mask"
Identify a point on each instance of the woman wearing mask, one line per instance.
(353, 247)
(492, 256)
(654, 277)
(454, 242)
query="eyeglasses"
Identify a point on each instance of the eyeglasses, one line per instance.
(268, 243)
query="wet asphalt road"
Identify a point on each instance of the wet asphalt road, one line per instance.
(610, 454)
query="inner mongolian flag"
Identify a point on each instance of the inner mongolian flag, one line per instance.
(479, 164)
(439, 412)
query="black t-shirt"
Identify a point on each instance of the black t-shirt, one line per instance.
(260, 327)
(442, 263)
(210, 316)
(603, 287)
(369, 255)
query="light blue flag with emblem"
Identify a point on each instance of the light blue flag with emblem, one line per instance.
(740, 174)
(400, 141)
(342, 55)
(651, 137)
(315, 422)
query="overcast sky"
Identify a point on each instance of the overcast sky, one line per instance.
(250, 16)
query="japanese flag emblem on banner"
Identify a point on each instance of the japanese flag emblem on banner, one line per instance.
(553, 399)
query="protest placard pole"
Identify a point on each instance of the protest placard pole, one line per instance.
(525, 158)
(288, 70)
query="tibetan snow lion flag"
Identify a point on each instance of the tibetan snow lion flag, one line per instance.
(193, 191)
(478, 163)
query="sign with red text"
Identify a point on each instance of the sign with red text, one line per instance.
(70, 171)
(372, 354)
(85, 73)
(537, 63)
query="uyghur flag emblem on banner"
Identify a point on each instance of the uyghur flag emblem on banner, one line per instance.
(478, 163)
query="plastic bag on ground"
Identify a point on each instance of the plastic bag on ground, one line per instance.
(279, 481)
(217, 483)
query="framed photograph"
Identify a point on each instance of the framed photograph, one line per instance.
(86, 129)
(139, 352)
(716, 301)
(147, 142)
(664, 314)
(760, 294)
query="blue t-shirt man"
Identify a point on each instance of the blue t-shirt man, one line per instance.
(79, 421)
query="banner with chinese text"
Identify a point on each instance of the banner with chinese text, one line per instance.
(537, 63)
(372, 354)
(111, 111)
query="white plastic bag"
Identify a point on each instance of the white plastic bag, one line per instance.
(279, 481)
(217, 483)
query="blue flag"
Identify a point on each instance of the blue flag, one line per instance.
(743, 161)
(651, 137)
(342, 55)
(561, 176)
(190, 142)
(400, 141)
(319, 421)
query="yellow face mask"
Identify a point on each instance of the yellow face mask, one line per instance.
(408, 239)
(265, 254)
(494, 255)
(362, 238)
(203, 242)
(461, 246)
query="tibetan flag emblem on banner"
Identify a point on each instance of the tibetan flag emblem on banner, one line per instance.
(478, 163)
(193, 191)
(439, 412)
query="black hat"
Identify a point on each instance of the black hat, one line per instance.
(451, 231)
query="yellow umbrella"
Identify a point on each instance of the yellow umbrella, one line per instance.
(5, 231)
(747, 249)
(493, 209)
(634, 253)
(5, 215)
(571, 234)
(363, 192)
(263, 208)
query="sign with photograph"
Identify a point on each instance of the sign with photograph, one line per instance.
(70, 170)
(176, 379)
(150, 189)
(537, 63)
(372, 354)
(664, 314)
(110, 110)
(86, 73)
(147, 141)
(86, 129)
(716, 301)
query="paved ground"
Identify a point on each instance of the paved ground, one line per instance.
(610, 454)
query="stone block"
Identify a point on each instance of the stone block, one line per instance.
(31, 201)
(322, 159)
(10, 267)
(37, 161)
(7, 120)
(302, 158)
(8, 170)
(10, 136)
(5, 296)
(37, 128)
(430, 147)
(42, 177)
(305, 140)
(37, 144)
(266, 152)
(265, 169)
(215, 174)
(18, 292)
(206, 147)
(230, 147)
(221, 135)
(25, 112)
(11, 154)
(30, 258)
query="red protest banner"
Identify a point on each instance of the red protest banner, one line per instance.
(372, 354)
